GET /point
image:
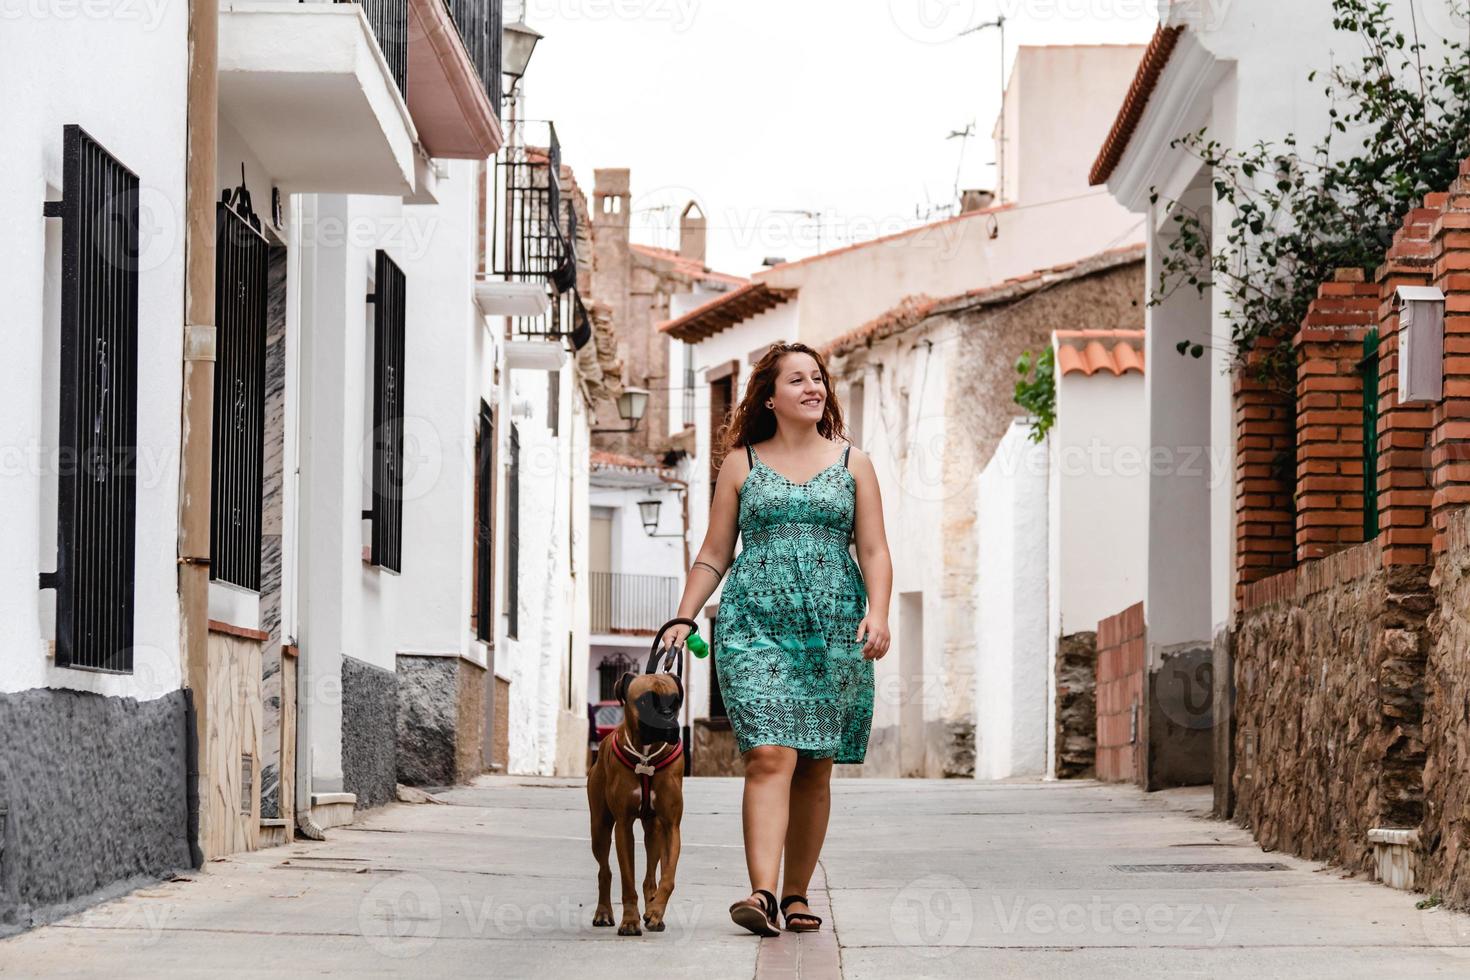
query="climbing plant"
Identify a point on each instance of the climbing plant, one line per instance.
(1399, 127)
(1036, 390)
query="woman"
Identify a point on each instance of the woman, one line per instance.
(799, 627)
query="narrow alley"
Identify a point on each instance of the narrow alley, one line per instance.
(949, 878)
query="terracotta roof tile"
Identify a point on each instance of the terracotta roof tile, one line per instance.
(1089, 351)
(914, 310)
(725, 310)
(1155, 59)
(692, 268)
(601, 459)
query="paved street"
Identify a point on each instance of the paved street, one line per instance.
(942, 879)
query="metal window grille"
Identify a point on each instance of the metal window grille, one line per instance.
(480, 23)
(97, 481)
(389, 21)
(535, 228)
(609, 672)
(485, 527)
(1368, 367)
(689, 384)
(388, 384)
(242, 256)
(625, 603)
(513, 537)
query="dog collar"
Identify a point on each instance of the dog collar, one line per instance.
(642, 763)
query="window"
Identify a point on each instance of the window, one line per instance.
(386, 514)
(98, 417)
(513, 537)
(553, 402)
(689, 384)
(242, 256)
(482, 618)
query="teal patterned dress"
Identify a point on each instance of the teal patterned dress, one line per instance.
(790, 669)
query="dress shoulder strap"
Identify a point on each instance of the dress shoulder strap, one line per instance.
(845, 453)
(750, 455)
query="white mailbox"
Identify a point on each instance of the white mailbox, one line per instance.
(1421, 344)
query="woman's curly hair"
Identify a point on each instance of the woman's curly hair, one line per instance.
(753, 422)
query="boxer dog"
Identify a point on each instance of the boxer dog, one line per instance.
(639, 776)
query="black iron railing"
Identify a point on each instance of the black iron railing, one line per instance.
(242, 256)
(609, 672)
(389, 21)
(622, 603)
(479, 23)
(97, 479)
(534, 228)
(484, 550)
(389, 287)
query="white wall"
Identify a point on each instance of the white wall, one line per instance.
(57, 69)
(1013, 655)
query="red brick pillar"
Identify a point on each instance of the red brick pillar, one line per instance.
(1265, 444)
(1329, 415)
(1451, 438)
(1404, 492)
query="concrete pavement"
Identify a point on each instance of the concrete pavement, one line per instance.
(922, 879)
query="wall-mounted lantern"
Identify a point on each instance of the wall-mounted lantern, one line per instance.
(632, 403)
(648, 513)
(1421, 344)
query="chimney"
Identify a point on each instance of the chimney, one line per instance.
(611, 201)
(975, 200)
(692, 233)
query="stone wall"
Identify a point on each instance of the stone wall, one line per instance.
(441, 704)
(1445, 835)
(1329, 662)
(1076, 737)
(369, 733)
(1121, 676)
(95, 794)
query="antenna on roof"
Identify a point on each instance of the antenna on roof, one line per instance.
(963, 135)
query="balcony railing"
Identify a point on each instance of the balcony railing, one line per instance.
(624, 603)
(389, 21)
(479, 23)
(535, 228)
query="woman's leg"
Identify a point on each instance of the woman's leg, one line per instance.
(806, 828)
(768, 770)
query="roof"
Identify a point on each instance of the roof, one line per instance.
(725, 310)
(1155, 59)
(1089, 351)
(603, 460)
(881, 240)
(914, 310)
(693, 268)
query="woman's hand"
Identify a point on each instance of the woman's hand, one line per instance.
(873, 630)
(675, 637)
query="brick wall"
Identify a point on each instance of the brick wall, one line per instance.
(1329, 415)
(1122, 728)
(1450, 441)
(1265, 448)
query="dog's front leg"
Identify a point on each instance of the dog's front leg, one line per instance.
(602, 833)
(626, 855)
(668, 862)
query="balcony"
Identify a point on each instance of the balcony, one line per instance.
(533, 236)
(454, 76)
(631, 604)
(316, 90)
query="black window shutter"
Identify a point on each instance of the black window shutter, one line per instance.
(242, 256)
(485, 527)
(388, 390)
(97, 478)
(513, 537)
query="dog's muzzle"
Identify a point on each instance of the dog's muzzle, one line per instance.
(658, 716)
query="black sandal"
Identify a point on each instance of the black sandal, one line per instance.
(756, 914)
(816, 920)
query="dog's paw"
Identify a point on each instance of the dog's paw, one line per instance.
(653, 923)
(602, 917)
(629, 929)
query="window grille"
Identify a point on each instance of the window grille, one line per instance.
(485, 527)
(389, 21)
(242, 256)
(98, 432)
(388, 384)
(513, 537)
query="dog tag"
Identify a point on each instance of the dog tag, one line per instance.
(644, 769)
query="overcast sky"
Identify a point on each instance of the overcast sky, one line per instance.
(757, 107)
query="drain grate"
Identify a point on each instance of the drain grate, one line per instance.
(1192, 868)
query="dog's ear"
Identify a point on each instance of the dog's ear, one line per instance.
(620, 690)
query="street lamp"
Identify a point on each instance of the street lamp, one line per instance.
(517, 43)
(632, 403)
(648, 511)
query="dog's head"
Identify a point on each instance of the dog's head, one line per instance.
(651, 704)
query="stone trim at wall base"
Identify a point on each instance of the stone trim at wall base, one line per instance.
(369, 733)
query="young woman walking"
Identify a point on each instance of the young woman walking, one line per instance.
(799, 624)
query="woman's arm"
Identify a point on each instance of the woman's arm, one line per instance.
(872, 555)
(718, 549)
